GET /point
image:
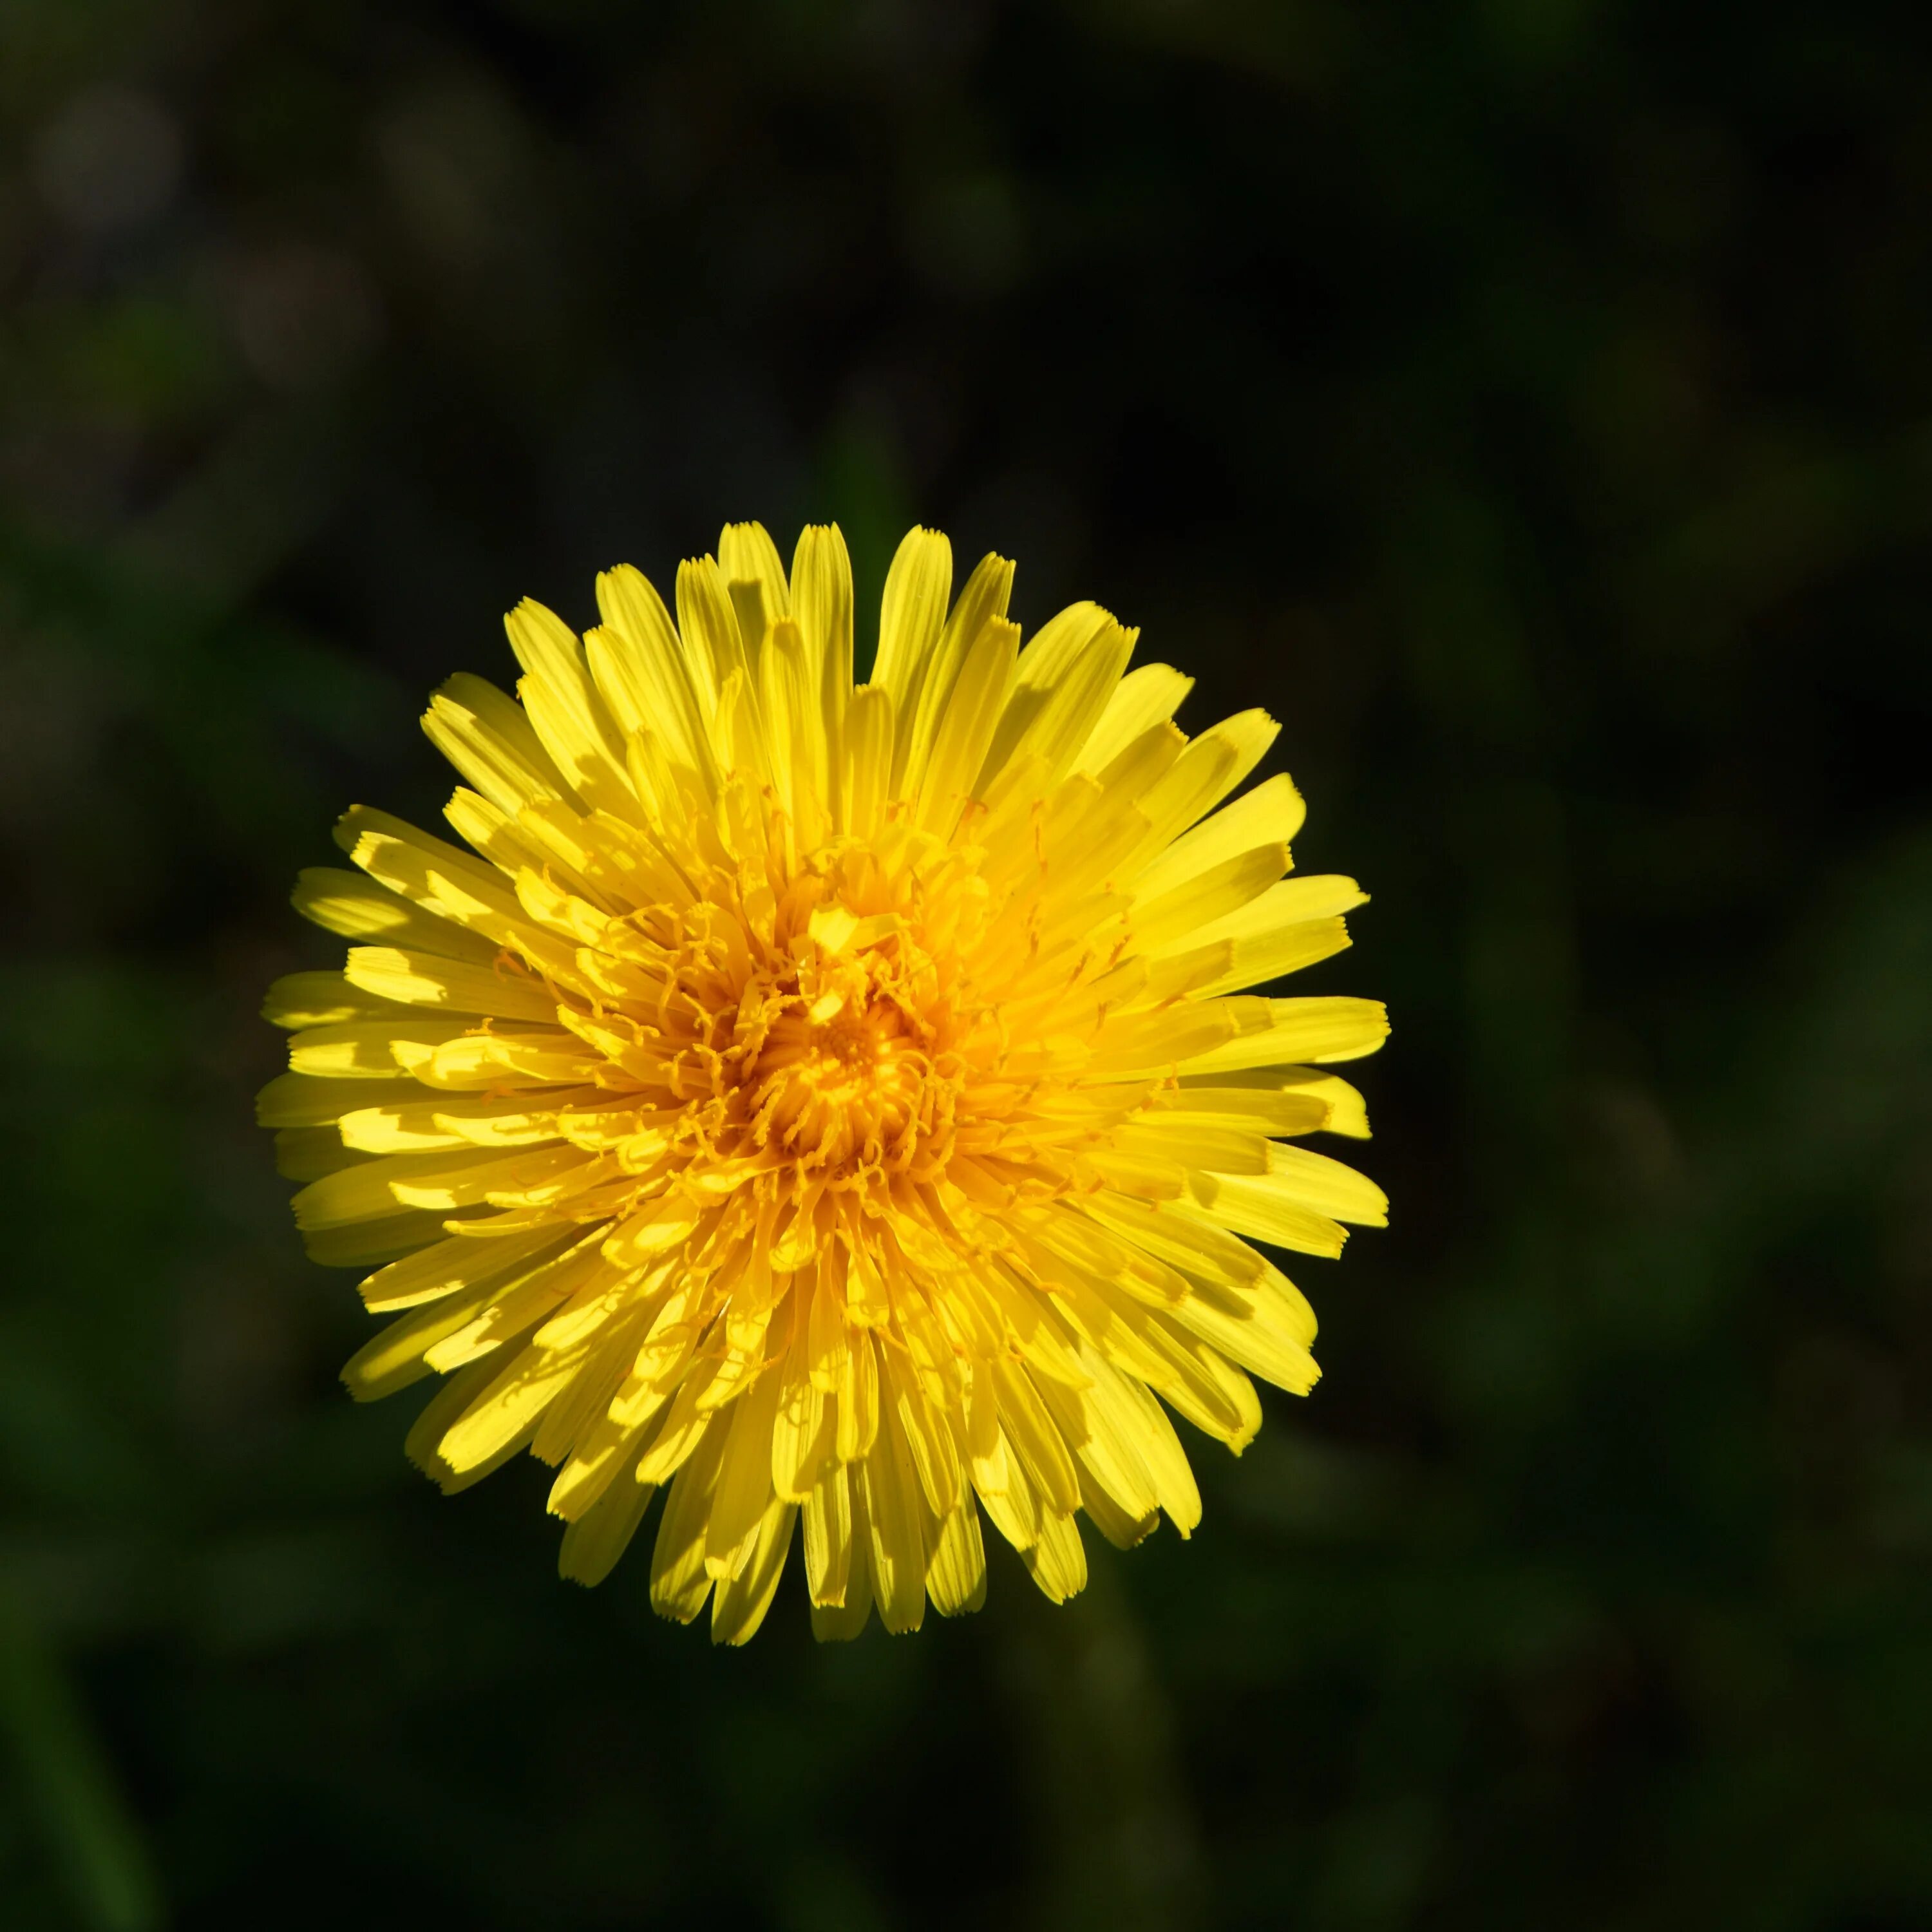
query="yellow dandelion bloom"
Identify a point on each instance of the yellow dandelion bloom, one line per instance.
(827, 1102)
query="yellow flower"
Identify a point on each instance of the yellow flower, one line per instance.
(823, 1100)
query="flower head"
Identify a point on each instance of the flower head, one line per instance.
(812, 1099)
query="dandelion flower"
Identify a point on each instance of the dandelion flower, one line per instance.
(827, 1102)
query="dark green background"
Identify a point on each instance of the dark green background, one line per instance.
(1530, 402)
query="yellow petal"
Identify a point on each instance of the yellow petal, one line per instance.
(451, 1264)
(1184, 1037)
(845, 1534)
(955, 1572)
(1272, 955)
(1261, 1208)
(747, 556)
(912, 613)
(1327, 1186)
(924, 702)
(393, 1358)
(680, 1581)
(505, 1415)
(1205, 774)
(742, 1600)
(358, 908)
(1046, 667)
(1141, 700)
(1203, 897)
(641, 673)
(307, 1153)
(448, 1120)
(1057, 1561)
(1029, 1428)
(744, 1477)
(566, 710)
(303, 999)
(1270, 814)
(457, 986)
(708, 626)
(368, 1191)
(959, 747)
(897, 1515)
(868, 760)
(1221, 1147)
(828, 1537)
(367, 1049)
(594, 1541)
(1284, 1095)
(488, 737)
(821, 606)
(1318, 1030)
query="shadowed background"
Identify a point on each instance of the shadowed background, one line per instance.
(1530, 402)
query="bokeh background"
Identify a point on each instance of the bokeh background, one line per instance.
(1530, 402)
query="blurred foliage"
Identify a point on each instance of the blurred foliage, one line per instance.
(1530, 402)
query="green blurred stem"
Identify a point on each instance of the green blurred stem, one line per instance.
(70, 1783)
